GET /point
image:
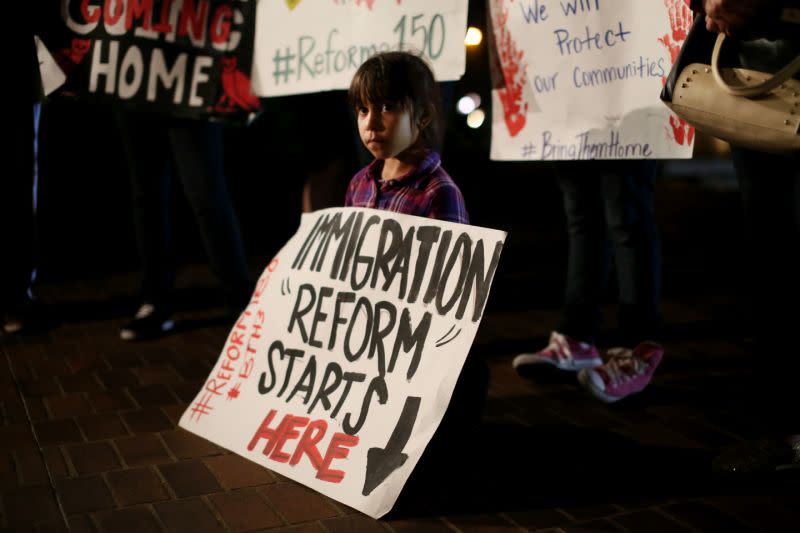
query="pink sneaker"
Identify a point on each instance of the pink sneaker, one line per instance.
(625, 373)
(563, 353)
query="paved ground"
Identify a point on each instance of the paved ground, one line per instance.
(89, 437)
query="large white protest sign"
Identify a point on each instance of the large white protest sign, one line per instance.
(307, 46)
(340, 369)
(581, 79)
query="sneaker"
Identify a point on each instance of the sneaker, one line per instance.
(148, 322)
(14, 323)
(626, 372)
(562, 352)
(28, 317)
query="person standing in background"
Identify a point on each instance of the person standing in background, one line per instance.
(769, 185)
(157, 148)
(608, 202)
(20, 312)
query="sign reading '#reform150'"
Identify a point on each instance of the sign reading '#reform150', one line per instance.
(305, 46)
(340, 369)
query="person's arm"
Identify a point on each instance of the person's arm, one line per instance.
(733, 16)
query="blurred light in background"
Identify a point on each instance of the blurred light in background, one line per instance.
(468, 103)
(474, 36)
(476, 118)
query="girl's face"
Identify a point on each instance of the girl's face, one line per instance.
(386, 129)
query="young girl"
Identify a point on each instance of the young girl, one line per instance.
(396, 101)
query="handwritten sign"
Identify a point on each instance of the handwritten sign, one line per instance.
(340, 369)
(581, 79)
(307, 46)
(187, 58)
(52, 76)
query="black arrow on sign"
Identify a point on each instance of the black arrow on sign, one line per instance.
(383, 461)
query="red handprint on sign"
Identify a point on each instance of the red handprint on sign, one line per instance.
(513, 66)
(680, 20)
(681, 130)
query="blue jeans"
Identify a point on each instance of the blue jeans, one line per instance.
(609, 207)
(156, 147)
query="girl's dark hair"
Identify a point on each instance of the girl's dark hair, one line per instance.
(403, 78)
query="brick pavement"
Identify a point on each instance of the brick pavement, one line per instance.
(89, 438)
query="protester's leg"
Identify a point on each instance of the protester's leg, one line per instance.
(20, 312)
(571, 347)
(17, 197)
(146, 148)
(198, 153)
(770, 192)
(587, 265)
(628, 188)
(627, 195)
(37, 115)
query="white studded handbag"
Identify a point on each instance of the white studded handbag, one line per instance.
(747, 108)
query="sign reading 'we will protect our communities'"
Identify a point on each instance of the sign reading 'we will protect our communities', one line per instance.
(580, 79)
(340, 369)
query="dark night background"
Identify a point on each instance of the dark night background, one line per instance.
(86, 224)
(89, 436)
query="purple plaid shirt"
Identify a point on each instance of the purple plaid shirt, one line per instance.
(426, 191)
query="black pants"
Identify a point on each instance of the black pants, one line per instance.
(17, 206)
(156, 147)
(770, 192)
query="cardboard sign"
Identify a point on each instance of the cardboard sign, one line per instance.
(581, 79)
(307, 46)
(187, 58)
(340, 369)
(52, 76)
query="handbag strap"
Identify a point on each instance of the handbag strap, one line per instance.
(757, 89)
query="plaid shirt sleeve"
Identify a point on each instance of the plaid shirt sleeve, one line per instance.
(446, 201)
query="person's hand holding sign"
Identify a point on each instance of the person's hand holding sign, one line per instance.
(730, 16)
